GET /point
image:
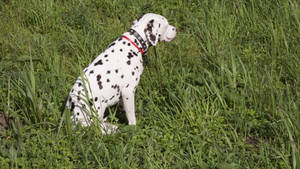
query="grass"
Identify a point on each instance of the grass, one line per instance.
(224, 94)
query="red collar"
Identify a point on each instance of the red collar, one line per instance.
(133, 44)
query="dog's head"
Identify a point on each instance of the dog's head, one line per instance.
(154, 28)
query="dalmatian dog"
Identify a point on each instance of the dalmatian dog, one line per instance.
(115, 73)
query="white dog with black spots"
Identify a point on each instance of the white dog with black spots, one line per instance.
(116, 72)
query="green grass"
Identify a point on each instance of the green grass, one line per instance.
(224, 94)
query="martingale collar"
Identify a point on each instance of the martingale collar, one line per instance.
(139, 38)
(143, 50)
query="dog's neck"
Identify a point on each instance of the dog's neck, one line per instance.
(139, 39)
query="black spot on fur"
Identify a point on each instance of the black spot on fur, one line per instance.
(98, 77)
(105, 56)
(79, 84)
(134, 53)
(152, 37)
(128, 62)
(111, 44)
(121, 50)
(78, 113)
(127, 85)
(91, 72)
(140, 17)
(129, 55)
(111, 98)
(116, 70)
(116, 87)
(136, 42)
(107, 80)
(150, 25)
(79, 92)
(108, 72)
(112, 51)
(72, 90)
(99, 63)
(122, 76)
(132, 73)
(119, 39)
(96, 99)
(128, 44)
(70, 99)
(100, 85)
(72, 106)
(149, 30)
(124, 43)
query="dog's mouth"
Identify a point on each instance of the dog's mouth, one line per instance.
(169, 39)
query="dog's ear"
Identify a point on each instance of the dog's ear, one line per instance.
(152, 32)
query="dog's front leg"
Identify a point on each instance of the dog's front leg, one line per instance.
(128, 103)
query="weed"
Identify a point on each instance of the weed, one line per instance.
(223, 94)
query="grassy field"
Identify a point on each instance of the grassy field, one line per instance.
(224, 94)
